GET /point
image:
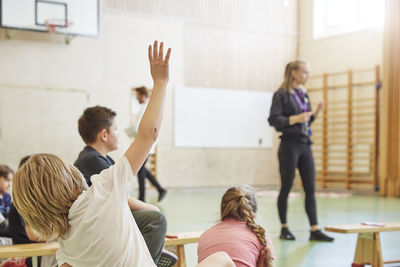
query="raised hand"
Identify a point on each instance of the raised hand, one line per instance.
(159, 66)
(151, 121)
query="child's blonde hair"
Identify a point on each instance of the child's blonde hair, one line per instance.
(44, 189)
(240, 203)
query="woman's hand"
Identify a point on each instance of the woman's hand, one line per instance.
(158, 64)
(300, 118)
(320, 107)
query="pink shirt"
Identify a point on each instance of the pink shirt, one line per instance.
(236, 239)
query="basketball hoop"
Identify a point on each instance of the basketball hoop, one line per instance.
(62, 25)
(53, 24)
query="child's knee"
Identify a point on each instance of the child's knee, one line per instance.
(220, 259)
(157, 218)
(146, 219)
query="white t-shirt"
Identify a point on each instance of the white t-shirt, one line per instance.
(102, 229)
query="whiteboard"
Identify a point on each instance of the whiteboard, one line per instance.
(32, 14)
(222, 118)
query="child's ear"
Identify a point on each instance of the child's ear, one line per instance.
(102, 135)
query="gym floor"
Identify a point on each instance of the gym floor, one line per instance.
(197, 210)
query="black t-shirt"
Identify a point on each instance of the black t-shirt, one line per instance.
(91, 162)
(17, 232)
(284, 105)
(17, 227)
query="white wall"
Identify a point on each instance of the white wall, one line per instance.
(104, 68)
(355, 50)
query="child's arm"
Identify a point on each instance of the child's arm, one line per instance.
(31, 234)
(136, 204)
(150, 124)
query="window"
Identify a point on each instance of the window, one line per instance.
(333, 17)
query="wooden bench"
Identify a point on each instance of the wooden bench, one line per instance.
(41, 249)
(29, 250)
(181, 240)
(368, 250)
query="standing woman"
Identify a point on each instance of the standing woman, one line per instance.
(291, 115)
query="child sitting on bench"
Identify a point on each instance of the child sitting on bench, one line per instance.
(238, 234)
(6, 176)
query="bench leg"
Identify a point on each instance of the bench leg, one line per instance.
(35, 261)
(180, 250)
(368, 250)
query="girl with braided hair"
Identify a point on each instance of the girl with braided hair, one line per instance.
(238, 234)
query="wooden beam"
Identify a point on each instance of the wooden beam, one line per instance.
(349, 128)
(389, 155)
(359, 84)
(375, 155)
(325, 130)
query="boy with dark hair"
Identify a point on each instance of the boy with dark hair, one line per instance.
(98, 129)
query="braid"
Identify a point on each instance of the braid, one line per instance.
(247, 213)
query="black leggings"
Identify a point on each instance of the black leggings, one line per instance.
(294, 154)
(142, 174)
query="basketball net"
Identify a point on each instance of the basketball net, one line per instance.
(51, 28)
(53, 24)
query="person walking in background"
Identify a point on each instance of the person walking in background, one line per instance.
(142, 95)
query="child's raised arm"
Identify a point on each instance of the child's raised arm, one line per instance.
(151, 121)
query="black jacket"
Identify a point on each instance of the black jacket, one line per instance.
(283, 106)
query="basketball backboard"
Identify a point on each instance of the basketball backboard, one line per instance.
(72, 17)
